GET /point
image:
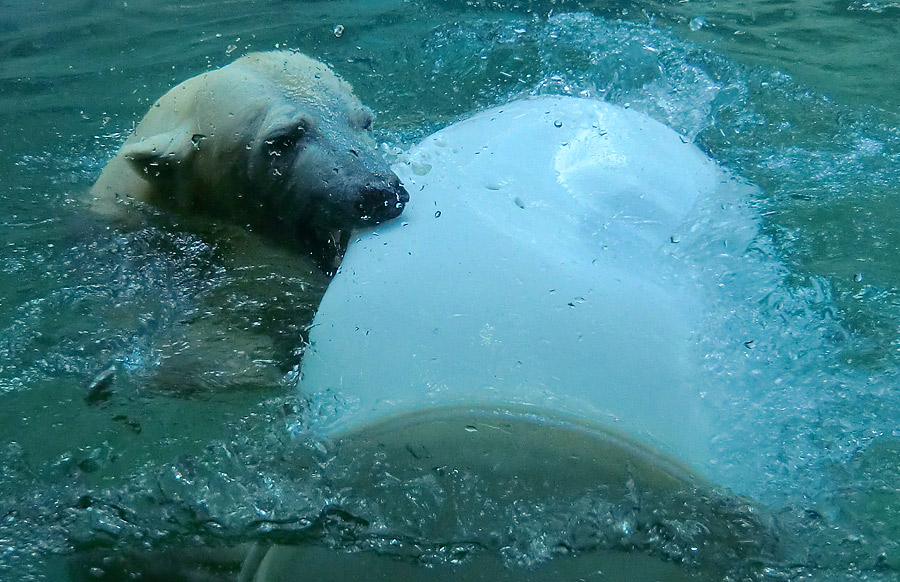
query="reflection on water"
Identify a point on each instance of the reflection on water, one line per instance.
(204, 323)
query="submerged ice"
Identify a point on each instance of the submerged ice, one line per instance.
(535, 267)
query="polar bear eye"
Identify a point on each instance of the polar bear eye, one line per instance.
(280, 144)
(286, 139)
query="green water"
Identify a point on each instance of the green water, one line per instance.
(802, 99)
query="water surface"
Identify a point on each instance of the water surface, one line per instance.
(800, 99)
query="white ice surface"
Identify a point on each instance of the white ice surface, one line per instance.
(530, 267)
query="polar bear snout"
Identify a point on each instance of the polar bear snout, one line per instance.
(378, 203)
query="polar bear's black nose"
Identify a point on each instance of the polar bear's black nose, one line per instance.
(379, 203)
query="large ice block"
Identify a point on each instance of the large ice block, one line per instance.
(530, 269)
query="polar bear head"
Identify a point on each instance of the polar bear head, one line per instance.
(275, 140)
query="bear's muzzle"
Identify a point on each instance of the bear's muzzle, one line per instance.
(379, 203)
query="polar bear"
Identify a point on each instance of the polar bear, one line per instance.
(274, 140)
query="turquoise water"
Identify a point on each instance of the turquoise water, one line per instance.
(799, 99)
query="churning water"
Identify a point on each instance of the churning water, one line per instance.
(200, 440)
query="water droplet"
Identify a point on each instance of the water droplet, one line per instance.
(471, 428)
(557, 123)
(675, 238)
(858, 277)
(697, 23)
(339, 31)
(437, 213)
(420, 168)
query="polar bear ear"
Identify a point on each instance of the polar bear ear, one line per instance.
(159, 157)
